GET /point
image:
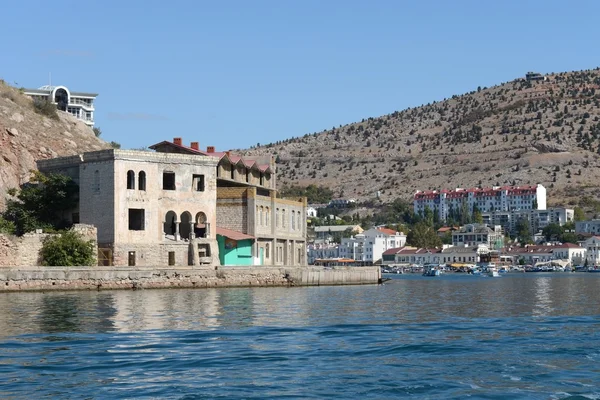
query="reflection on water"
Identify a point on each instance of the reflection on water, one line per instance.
(530, 336)
(404, 299)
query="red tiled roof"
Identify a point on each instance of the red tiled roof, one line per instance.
(233, 234)
(387, 231)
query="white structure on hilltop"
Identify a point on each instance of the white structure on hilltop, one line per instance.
(369, 246)
(78, 104)
(445, 203)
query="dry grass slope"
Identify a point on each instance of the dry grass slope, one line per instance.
(515, 133)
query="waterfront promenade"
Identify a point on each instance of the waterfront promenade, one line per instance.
(103, 278)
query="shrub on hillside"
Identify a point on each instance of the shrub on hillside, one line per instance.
(45, 108)
(67, 249)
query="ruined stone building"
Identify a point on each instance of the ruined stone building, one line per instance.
(248, 206)
(150, 209)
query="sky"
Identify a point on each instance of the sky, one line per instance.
(232, 74)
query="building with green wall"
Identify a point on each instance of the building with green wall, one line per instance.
(235, 248)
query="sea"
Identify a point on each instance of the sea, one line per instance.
(456, 336)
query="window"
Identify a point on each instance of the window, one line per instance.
(130, 179)
(168, 180)
(267, 216)
(247, 175)
(171, 258)
(96, 186)
(232, 172)
(198, 182)
(260, 217)
(267, 246)
(142, 181)
(277, 217)
(293, 220)
(262, 179)
(136, 219)
(298, 220)
(283, 218)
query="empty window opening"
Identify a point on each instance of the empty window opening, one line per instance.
(247, 175)
(75, 217)
(262, 179)
(96, 186)
(130, 179)
(142, 181)
(171, 258)
(232, 172)
(136, 219)
(203, 250)
(168, 180)
(198, 182)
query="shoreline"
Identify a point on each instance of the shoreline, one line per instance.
(18, 279)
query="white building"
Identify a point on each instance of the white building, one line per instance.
(592, 247)
(320, 251)
(532, 254)
(78, 104)
(475, 234)
(591, 226)
(311, 212)
(504, 198)
(370, 245)
(538, 219)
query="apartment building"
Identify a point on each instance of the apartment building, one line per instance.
(368, 247)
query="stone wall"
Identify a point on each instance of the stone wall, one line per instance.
(25, 250)
(100, 278)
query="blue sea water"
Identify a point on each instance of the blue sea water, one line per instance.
(522, 336)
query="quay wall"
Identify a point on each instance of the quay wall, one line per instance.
(109, 278)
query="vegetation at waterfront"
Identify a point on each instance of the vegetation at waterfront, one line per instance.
(40, 204)
(67, 249)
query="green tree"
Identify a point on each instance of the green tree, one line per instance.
(422, 235)
(552, 231)
(67, 249)
(97, 131)
(569, 237)
(6, 226)
(579, 215)
(42, 203)
(523, 231)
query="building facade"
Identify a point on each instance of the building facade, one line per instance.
(537, 219)
(475, 234)
(78, 104)
(368, 247)
(150, 209)
(247, 203)
(445, 203)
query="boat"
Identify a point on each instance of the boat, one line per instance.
(493, 272)
(593, 269)
(432, 272)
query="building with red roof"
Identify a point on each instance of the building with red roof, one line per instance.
(247, 203)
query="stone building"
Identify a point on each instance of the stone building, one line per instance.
(150, 209)
(247, 204)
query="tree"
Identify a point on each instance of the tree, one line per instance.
(97, 131)
(42, 203)
(552, 231)
(423, 236)
(67, 249)
(523, 231)
(579, 215)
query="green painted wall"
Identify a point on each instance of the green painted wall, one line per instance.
(238, 255)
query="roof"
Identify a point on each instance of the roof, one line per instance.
(393, 251)
(387, 231)
(233, 234)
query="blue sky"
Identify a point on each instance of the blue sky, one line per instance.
(236, 73)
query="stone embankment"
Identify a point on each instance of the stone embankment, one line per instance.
(108, 278)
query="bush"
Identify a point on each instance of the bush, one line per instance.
(97, 131)
(46, 108)
(67, 249)
(6, 226)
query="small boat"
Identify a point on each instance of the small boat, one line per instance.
(432, 272)
(593, 269)
(493, 272)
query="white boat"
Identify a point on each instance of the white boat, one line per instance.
(493, 272)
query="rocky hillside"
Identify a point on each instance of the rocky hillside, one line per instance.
(516, 133)
(27, 136)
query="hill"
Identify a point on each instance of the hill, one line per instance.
(516, 133)
(27, 135)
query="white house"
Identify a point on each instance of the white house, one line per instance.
(592, 247)
(318, 251)
(311, 212)
(370, 245)
(79, 104)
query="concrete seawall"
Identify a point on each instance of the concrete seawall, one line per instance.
(108, 278)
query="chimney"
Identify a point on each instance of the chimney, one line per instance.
(195, 145)
(228, 153)
(177, 141)
(210, 149)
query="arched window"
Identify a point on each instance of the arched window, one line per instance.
(142, 181)
(260, 216)
(130, 179)
(267, 216)
(277, 218)
(298, 216)
(267, 248)
(283, 218)
(293, 220)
